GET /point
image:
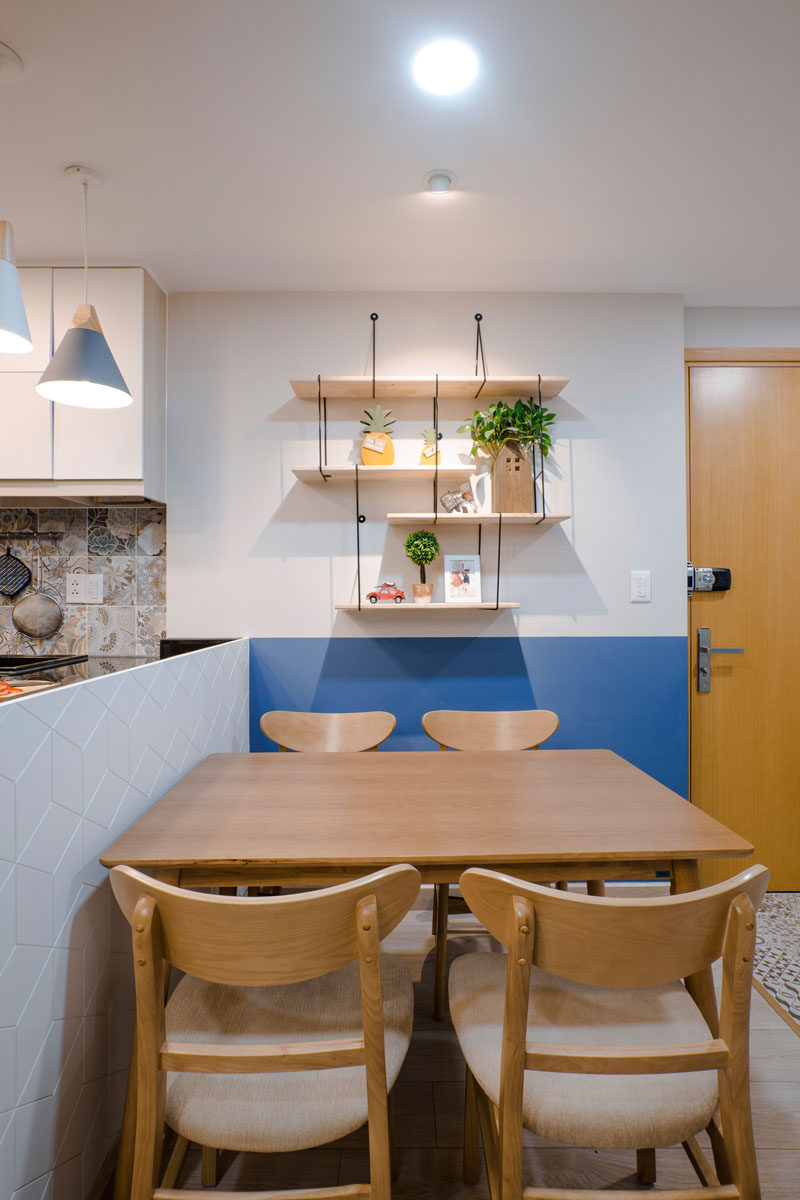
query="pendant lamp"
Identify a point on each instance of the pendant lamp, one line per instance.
(15, 336)
(82, 372)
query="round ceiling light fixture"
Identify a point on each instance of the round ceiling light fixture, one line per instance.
(445, 66)
(441, 182)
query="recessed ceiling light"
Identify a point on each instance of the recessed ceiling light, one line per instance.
(441, 182)
(445, 66)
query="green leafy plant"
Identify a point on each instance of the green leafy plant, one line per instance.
(422, 548)
(503, 425)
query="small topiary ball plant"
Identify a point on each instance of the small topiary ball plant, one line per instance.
(422, 548)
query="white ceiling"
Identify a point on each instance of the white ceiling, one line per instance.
(608, 145)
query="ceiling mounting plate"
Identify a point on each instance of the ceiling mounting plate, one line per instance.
(83, 175)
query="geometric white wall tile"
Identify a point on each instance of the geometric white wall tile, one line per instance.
(77, 766)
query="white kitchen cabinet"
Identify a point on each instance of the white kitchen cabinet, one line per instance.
(26, 424)
(49, 451)
(115, 452)
(36, 284)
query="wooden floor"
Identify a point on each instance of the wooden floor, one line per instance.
(429, 1099)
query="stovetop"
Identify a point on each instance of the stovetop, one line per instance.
(34, 664)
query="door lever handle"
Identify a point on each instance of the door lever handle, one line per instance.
(704, 652)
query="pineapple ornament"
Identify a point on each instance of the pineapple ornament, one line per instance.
(377, 447)
(430, 451)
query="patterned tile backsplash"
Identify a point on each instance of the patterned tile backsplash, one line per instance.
(127, 545)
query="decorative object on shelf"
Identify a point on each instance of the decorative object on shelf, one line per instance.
(15, 336)
(83, 372)
(508, 435)
(386, 591)
(459, 500)
(462, 578)
(377, 447)
(430, 456)
(422, 548)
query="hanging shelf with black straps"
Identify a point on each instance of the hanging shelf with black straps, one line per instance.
(399, 388)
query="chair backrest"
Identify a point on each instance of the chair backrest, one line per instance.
(610, 942)
(271, 940)
(521, 729)
(632, 944)
(328, 732)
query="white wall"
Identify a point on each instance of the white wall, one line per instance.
(749, 328)
(252, 551)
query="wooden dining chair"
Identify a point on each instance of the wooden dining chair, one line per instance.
(454, 729)
(334, 732)
(287, 1030)
(595, 1028)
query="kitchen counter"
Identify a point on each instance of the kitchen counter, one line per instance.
(80, 763)
(95, 667)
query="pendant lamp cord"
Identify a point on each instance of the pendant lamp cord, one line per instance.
(86, 241)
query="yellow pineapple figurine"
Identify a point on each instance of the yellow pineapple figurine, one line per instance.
(377, 447)
(430, 451)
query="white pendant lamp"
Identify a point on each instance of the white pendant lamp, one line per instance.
(15, 336)
(82, 372)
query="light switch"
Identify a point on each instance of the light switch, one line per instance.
(640, 587)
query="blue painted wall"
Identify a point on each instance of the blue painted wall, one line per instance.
(625, 694)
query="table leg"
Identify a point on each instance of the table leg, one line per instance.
(686, 878)
(440, 976)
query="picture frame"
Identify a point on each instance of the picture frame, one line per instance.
(462, 578)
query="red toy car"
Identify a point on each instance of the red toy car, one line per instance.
(386, 591)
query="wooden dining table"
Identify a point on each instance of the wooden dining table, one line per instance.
(311, 819)
(295, 819)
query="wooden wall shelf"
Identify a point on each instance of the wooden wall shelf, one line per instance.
(409, 387)
(480, 518)
(347, 474)
(395, 609)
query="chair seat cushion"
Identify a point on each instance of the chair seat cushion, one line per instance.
(614, 1111)
(289, 1110)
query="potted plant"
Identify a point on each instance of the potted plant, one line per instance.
(507, 434)
(422, 548)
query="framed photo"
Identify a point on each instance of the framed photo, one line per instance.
(462, 578)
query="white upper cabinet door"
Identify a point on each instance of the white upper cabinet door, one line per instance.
(98, 444)
(25, 429)
(36, 284)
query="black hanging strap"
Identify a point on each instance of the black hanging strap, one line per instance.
(499, 544)
(360, 519)
(436, 455)
(374, 318)
(479, 354)
(322, 428)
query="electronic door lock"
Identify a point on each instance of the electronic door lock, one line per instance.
(707, 579)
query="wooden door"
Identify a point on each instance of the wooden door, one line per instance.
(744, 509)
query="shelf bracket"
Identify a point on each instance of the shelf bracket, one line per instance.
(322, 428)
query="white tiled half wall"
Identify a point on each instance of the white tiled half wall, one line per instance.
(77, 766)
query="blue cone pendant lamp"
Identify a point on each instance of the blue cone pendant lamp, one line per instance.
(82, 372)
(15, 336)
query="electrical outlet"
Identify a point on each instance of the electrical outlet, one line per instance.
(640, 587)
(83, 588)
